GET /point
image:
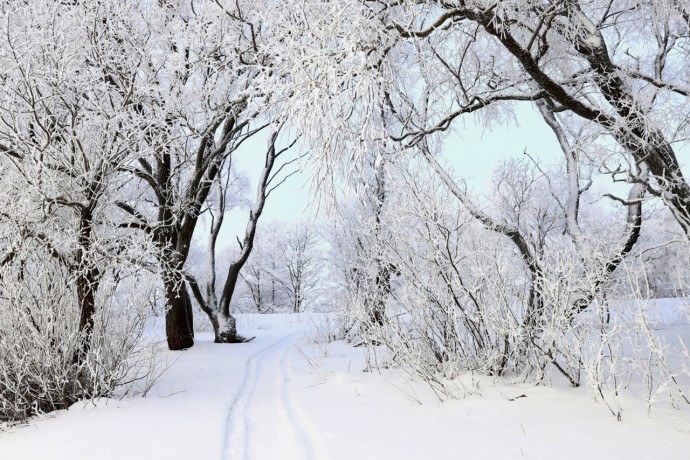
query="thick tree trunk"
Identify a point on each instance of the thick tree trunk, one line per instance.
(224, 325)
(86, 296)
(178, 329)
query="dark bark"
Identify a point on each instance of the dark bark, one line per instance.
(223, 333)
(228, 334)
(178, 230)
(178, 329)
(86, 289)
(87, 277)
(87, 280)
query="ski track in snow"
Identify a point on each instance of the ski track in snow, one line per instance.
(264, 421)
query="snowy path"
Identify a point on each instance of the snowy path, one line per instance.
(264, 420)
(283, 396)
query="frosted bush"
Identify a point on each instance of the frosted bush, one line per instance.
(46, 362)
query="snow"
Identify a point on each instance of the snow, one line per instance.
(590, 32)
(283, 396)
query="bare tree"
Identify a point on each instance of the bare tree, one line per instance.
(262, 275)
(285, 268)
(302, 265)
(218, 308)
(64, 137)
(185, 79)
(69, 328)
(572, 55)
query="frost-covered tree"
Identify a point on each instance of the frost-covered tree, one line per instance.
(286, 270)
(216, 306)
(65, 137)
(617, 68)
(183, 69)
(465, 296)
(302, 265)
(169, 89)
(360, 263)
(69, 328)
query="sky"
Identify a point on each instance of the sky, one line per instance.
(289, 202)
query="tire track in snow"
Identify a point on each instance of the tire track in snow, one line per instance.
(263, 420)
(236, 436)
(310, 437)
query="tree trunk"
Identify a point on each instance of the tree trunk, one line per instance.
(382, 289)
(178, 329)
(225, 329)
(87, 282)
(377, 304)
(189, 309)
(86, 294)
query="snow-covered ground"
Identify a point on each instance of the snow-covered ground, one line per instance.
(281, 396)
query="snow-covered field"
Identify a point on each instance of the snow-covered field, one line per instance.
(281, 396)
